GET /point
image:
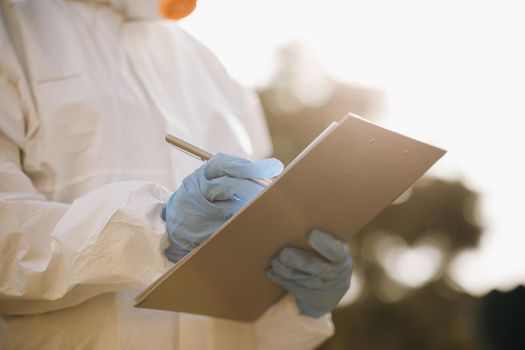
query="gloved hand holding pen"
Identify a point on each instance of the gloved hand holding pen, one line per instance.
(210, 196)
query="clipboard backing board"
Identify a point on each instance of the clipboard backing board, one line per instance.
(339, 183)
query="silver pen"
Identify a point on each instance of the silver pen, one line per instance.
(201, 154)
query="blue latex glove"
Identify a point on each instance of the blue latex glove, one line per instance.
(210, 196)
(317, 284)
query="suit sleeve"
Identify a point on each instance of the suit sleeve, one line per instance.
(56, 255)
(282, 327)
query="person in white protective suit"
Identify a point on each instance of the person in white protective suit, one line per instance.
(88, 90)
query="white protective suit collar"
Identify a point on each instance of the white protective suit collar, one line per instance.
(134, 9)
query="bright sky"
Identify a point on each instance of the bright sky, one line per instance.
(454, 75)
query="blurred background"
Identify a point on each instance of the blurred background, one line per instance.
(442, 267)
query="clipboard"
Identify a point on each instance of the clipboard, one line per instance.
(339, 183)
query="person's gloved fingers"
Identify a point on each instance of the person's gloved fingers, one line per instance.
(220, 162)
(293, 286)
(337, 278)
(277, 278)
(329, 247)
(175, 253)
(306, 262)
(225, 209)
(224, 164)
(191, 196)
(294, 276)
(225, 188)
(264, 169)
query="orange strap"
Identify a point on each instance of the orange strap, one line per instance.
(177, 9)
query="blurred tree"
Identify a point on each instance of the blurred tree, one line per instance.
(431, 318)
(403, 304)
(401, 295)
(301, 100)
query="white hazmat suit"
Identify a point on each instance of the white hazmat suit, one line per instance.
(88, 90)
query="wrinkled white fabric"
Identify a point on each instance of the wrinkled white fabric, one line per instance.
(86, 97)
(135, 9)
